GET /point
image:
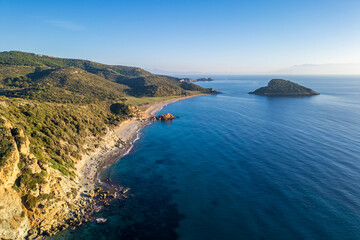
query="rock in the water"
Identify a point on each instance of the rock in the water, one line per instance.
(166, 117)
(101, 220)
(280, 87)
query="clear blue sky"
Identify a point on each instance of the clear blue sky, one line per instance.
(197, 35)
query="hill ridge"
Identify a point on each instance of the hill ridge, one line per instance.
(20, 70)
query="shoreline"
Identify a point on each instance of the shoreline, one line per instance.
(117, 144)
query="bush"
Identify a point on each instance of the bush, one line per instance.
(20, 165)
(30, 201)
(120, 109)
(6, 145)
(30, 180)
(16, 188)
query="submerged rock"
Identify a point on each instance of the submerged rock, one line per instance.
(281, 87)
(100, 220)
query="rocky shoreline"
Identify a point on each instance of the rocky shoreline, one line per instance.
(95, 194)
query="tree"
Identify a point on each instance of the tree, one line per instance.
(120, 109)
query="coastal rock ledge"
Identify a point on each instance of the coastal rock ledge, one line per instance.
(281, 87)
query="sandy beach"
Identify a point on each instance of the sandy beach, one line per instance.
(116, 143)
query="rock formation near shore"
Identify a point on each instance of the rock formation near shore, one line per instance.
(280, 87)
(166, 117)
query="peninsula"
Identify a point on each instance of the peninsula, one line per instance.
(280, 87)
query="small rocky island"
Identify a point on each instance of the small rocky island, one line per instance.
(281, 87)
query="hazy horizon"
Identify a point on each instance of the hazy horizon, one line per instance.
(304, 69)
(228, 37)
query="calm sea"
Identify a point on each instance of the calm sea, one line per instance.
(240, 166)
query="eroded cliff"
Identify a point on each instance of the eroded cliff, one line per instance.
(35, 199)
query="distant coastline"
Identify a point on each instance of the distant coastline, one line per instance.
(191, 80)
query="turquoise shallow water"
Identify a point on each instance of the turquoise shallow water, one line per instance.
(240, 166)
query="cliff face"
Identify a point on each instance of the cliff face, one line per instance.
(280, 87)
(13, 220)
(36, 198)
(27, 204)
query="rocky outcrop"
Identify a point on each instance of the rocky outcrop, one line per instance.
(189, 80)
(166, 117)
(213, 91)
(280, 87)
(14, 223)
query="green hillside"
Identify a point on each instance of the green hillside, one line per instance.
(65, 85)
(30, 59)
(157, 86)
(33, 76)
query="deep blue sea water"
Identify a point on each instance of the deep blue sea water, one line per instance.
(240, 166)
